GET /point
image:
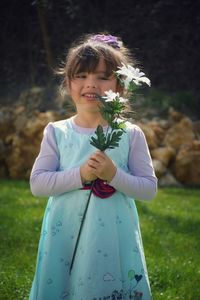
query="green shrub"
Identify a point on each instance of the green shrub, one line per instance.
(185, 102)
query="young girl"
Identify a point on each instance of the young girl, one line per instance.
(109, 262)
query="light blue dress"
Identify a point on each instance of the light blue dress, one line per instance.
(109, 262)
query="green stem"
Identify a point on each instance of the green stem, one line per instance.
(80, 230)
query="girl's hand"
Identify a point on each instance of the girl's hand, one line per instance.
(87, 172)
(103, 167)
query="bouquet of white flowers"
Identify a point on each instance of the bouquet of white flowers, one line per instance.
(112, 106)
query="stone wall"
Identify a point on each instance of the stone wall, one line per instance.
(175, 149)
(174, 143)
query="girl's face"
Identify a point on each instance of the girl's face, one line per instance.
(85, 87)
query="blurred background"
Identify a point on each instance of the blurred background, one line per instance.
(35, 35)
(164, 36)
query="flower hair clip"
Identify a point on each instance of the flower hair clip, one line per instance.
(107, 39)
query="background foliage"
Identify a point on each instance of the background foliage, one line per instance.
(163, 35)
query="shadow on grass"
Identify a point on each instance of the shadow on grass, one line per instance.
(177, 224)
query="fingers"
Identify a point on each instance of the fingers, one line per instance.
(87, 173)
(98, 159)
(98, 165)
(99, 156)
(93, 163)
(103, 167)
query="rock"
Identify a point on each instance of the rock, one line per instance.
(65, 104)
(187, 164)
(168, 180)
(21, 120)
(180, 134)
(22, 156)
(158, 130)
(19, 110)
(196, 145)
(6, 122)
(25, 144)
(164, 124)
(196, 127)
(3, 170)
(150, 135)
(2, 150)
(163, 154)
(174, 143)
(34, 126)
(159, 168)
(31, 99)
(175, 116)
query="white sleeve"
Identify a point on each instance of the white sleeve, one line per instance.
(46, 179)
(141, 183)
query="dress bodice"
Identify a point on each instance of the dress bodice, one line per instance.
(75, 148)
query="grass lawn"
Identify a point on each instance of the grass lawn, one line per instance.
(170, 228)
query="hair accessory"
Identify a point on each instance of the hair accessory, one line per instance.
(108, 39)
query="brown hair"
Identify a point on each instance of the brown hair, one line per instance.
(84, 56)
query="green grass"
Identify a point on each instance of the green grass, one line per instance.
(20, 221)
(170, 229)
(171, 234)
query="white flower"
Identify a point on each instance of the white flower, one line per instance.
(132, 74)
(110, 96)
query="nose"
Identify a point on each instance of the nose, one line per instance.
(91, 82)
(91, 86)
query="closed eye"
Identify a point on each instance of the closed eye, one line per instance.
(105, 77)
(80, 75)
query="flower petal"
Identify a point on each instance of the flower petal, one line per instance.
(132, 74)
(123, 100)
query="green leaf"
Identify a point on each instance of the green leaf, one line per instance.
(113, 139)
(122, 126)
(100, 140)
(133, 87)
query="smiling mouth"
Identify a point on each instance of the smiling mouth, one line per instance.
(91, 96)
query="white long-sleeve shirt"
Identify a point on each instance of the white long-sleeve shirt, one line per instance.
(47, 180)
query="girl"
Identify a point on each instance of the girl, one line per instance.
(109, 262)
